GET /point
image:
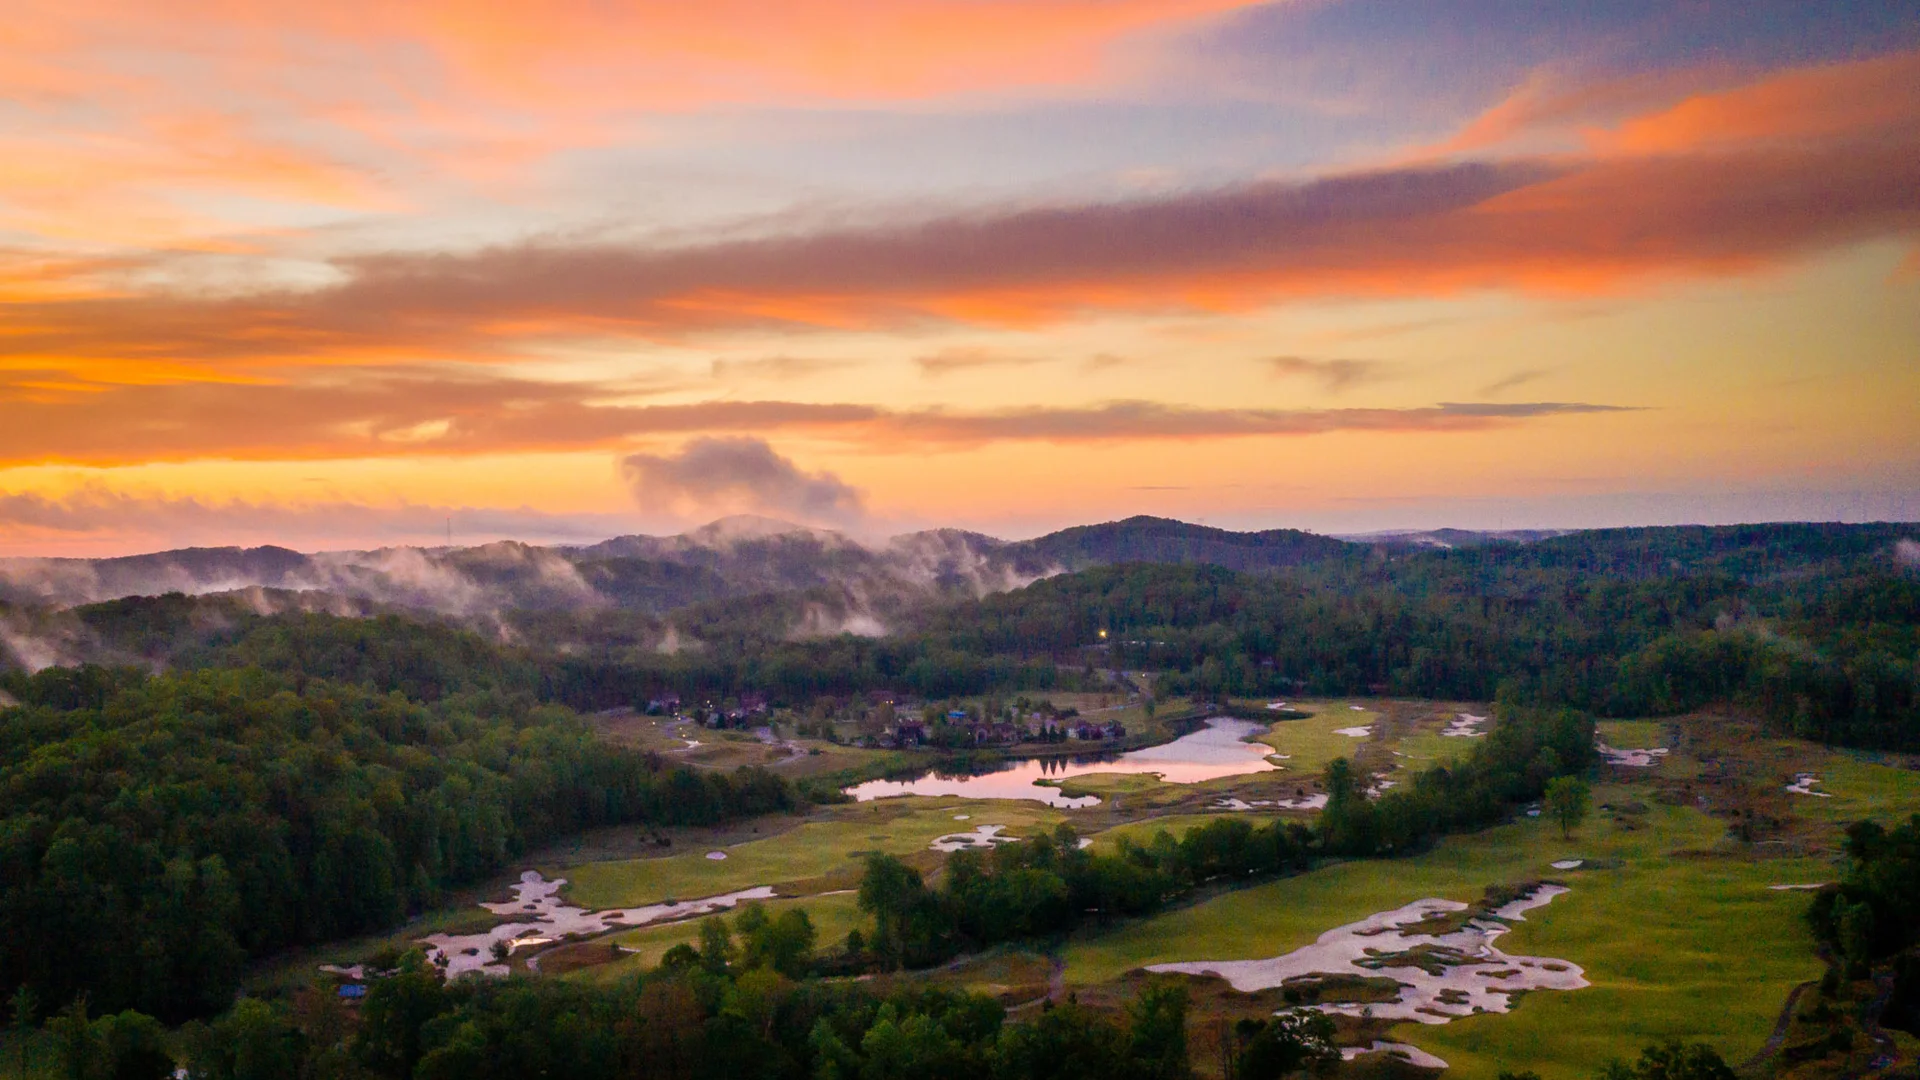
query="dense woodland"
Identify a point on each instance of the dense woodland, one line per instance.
(157, 832)
(239, 782)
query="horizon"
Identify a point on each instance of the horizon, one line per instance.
(342, 279)
(880, 540)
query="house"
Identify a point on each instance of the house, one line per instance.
(909, 733)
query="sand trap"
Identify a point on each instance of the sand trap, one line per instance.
(1799, 888)
(984, 836)
(1380, 785)
(1803, 785)
(1441, 977)
(1355, 732)
(962, 817)
(1412, 1055)
(1358, 708)
(1467, 727)
(716, 856)
(552, 919)
(1276, 704)
(351, 971)
(1638, 759)
(1569, 864)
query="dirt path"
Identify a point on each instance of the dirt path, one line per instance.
(1772, 1045)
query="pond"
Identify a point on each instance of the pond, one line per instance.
(1209, 753)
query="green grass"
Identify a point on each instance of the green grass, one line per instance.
(1428, 747)
(1311, 743)
(833, 916)
(817, 850)
(1858, 788)
(1633, 734)
(1676, 941)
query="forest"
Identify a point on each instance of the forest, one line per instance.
(1815, 627)
(157, 832)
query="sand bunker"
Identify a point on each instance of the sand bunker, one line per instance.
(1412, 1055)
(550, 918)
(1639, 759)
(1442, 976)
(1354, 732)
(1467, 727)
(984, 836)
(1569, 864)
(1358, 708)
(1380, 785)
(962, 817)
(716, 856)
(1276, 705)
(1809, 887)
(1803, 785)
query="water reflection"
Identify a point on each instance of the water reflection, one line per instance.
(1213, 751)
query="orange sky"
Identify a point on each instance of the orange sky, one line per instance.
(327, 277)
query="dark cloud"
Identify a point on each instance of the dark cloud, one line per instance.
(1335, 375)
(738, 475)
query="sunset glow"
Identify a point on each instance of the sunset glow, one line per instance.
(353, 274)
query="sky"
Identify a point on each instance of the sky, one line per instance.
(359, 273)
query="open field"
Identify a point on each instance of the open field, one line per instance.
(1667, 937)
(1311, 743)
(819, 855)
(1633, 734)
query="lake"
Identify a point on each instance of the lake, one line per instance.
(1209, 753)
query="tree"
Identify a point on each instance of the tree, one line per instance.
(1567, 801)
(1671, 1061)
(1157, 1029)
(1289, 1041)
(716, 945)
(26, 1009)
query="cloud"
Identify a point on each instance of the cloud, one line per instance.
(98, 519)
(778, 367)
(738, 474)
(949, 361)
(414, 412)
(1658, 198)
(1513, 381)
(1335, 375)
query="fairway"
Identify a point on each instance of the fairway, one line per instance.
(1311, 743)
(1675, 932)
(818, 849)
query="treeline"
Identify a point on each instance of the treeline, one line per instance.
(727, 1019)
(1818, 627)
(1049, 884)
(156, 832)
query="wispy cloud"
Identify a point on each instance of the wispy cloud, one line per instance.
(1334, 375)
(411, 412)
(950, 361)
(1514, 381)
(779, 367)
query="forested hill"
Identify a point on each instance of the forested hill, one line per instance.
(1160, 540)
